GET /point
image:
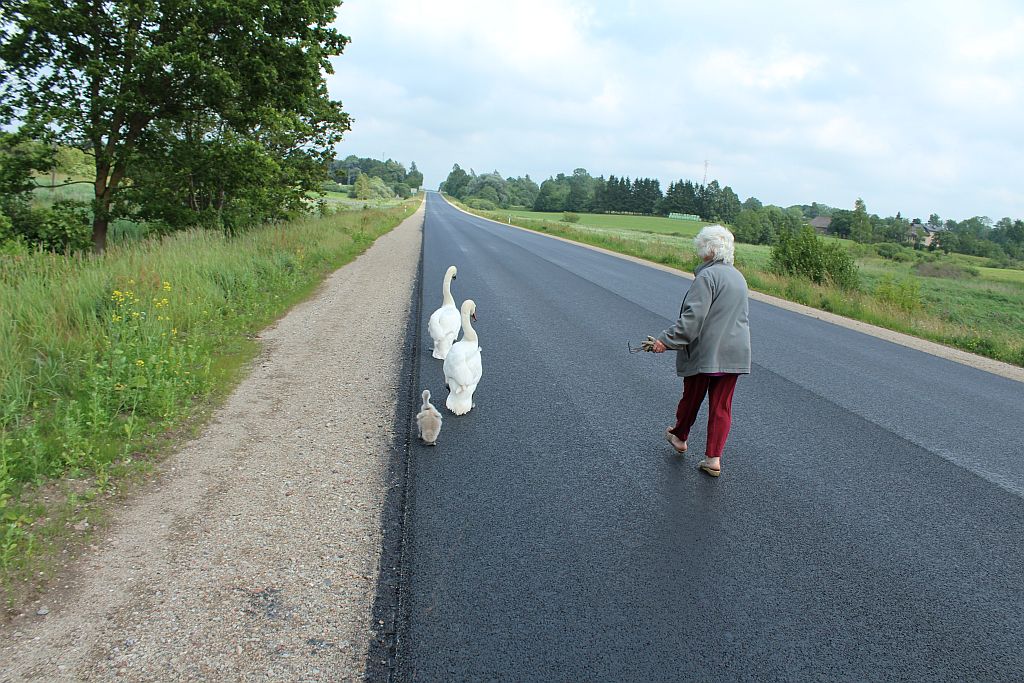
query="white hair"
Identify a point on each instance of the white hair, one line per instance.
(717, 242)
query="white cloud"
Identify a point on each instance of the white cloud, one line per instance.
(732, 68)
(912, 106)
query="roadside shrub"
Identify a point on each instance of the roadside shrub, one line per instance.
(904, 293)
(481, 204)
(804, 254)
(570, 217)
(63, 226)
(894, 252)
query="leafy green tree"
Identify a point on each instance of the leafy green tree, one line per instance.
(861, 229)
(751, 227)
(56, 227)
(553, 195)
(456, 182)
(489, 186)
(414, 179)
(581, 191)
(522, 191)
(752, 203)
(729, 206)
(104, 75)
(362, 189)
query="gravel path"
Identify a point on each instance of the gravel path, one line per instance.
(254, 555)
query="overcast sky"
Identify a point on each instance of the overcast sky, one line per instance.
(915, 106)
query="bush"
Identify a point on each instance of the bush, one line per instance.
(570, 217)
(65, 225)
(894, 252)
(481, 204)
(904, 293)
(804, 254)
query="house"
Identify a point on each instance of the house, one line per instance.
(821, 224)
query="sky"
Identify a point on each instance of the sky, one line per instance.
(915, 106)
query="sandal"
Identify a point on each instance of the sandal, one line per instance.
(672, 438)
(704, 467)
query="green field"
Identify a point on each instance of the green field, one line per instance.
(967, 306)
(620, 222)
(1003, 275)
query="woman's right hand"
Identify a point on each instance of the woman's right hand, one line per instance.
(659, 346)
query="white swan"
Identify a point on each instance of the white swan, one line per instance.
(445, 322)
(463, 366)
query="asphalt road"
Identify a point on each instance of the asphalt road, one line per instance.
(868, 524)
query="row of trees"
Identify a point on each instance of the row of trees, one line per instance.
(751, 221)
(193, 113)
(976, 236)
(391, 173)
(580, 192)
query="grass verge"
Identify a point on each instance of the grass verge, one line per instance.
(985, 317)
(108, 362)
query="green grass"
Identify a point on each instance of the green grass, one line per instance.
(341, 201)
(101, 356)
(615, 222)
(1002, 275)
(981, 310)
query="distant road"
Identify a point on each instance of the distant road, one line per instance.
(868, 524)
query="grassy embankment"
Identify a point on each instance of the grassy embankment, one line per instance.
(950, 299)
(106, 362)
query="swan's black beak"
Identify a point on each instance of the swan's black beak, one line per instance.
(472, 317)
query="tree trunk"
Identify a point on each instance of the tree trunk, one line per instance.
(99, 232)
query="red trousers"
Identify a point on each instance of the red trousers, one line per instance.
(719, 390)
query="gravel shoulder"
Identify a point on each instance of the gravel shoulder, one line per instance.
(254, 554)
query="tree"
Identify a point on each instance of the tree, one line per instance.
(752, 203)
(860, 225)
(729, 206)
(414, 179)
(522, 191)
(456, 182)
(581, 191)
(553, 195)
(361, 189)
(111, 75)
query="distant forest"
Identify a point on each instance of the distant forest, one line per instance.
(750, 219)
(382, 178)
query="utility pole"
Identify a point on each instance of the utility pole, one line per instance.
(705, 173)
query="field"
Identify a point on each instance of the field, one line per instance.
(624, 223)
(952, 299)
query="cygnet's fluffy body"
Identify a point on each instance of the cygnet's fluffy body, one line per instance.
(429, 421)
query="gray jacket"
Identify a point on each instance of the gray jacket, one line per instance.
(712, 334)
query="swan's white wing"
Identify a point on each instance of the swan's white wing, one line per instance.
(449, 321)
(461, 366)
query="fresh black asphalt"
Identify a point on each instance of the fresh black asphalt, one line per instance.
(868, 524)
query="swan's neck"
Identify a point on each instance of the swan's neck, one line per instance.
(468, 333)
(447, 299)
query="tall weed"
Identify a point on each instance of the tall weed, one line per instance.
(98, 354)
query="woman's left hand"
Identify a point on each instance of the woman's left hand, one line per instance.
(659, 346)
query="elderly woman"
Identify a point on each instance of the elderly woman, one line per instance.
(712, 341)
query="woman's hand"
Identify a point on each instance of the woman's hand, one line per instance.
(659, 346)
